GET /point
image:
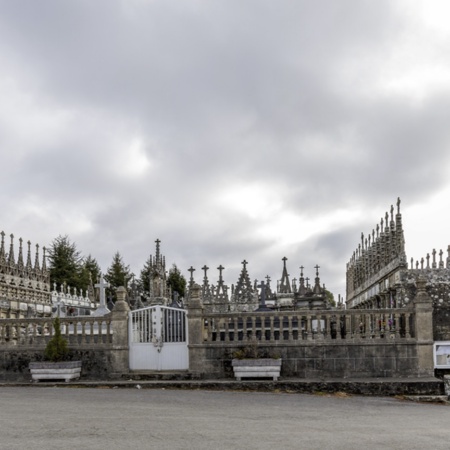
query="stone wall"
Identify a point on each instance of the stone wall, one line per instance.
(320, 360)
(101, 343)
(393, 342)
(96, 363)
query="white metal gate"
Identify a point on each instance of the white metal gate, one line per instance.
(158, 337)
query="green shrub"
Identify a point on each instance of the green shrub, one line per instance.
(56, 349)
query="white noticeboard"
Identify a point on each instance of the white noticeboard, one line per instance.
(442, 355)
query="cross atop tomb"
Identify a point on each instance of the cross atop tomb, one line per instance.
(102, 309)
(220, 268)
(317, 267)
(244, 263)
(192, 270)
(102, 285)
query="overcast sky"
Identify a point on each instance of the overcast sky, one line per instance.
(230, 130)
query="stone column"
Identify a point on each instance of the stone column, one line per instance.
(195, 331)
(424, 329)
(119, 324)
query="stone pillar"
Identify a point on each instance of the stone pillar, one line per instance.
(195, 331)
(424, 329)
(119, 324)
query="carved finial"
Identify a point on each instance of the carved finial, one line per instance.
(412, 263)
(434, 265)
(36, 259)
(398, 205)
(382, 223)
(44, 262)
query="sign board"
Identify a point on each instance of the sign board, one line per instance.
(441, 355)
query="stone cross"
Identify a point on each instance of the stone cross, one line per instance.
(244, 263)
(102, 285)
(192, 270)
(262, 305)
(317, 267)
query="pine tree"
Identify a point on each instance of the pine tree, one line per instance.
(176, 281)
(90, 270)
(118, 274)
(144, 279)
(65, 263)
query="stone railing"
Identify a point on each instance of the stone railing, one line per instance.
(95, 331)
(386, 324)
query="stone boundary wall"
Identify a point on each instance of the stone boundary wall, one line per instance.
(101, 343)
(318, 360)
(317, 344)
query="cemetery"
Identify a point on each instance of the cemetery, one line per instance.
(394, 323)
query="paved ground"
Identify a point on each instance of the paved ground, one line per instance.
(74, 418)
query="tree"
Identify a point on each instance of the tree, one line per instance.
(144, 279)
(118, 274)
(65, 263)
(176, 281)
(330, 297)
(90, 270)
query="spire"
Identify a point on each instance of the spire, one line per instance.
(11, 259)
(157, 257)
(206, 290)
(221, 291)
(244, 290)
(36, 259)
(285, 285)
(44, 264)
(2, 250)
(317, 289)
(20, 264)
(29, 265)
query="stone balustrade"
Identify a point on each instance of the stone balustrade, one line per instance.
(386, 324)
(92, 331)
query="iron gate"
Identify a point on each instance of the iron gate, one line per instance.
(158, 339)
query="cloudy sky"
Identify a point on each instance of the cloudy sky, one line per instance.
(230, 130)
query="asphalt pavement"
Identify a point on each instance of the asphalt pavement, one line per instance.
(132, 418)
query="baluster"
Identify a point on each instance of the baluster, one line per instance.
(108, 331)
(244, 328)
(227, 330)
(253, 331)
(83, 334)
(319, 333)
(349, 331)
(340, 326)
(263, 328)
(407, 327)
(308, 328)
(272, 335)
(290, 332)
(396, 324)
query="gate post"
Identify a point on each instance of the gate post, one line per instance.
(424, 329)
(195, 330)
(119, 323)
